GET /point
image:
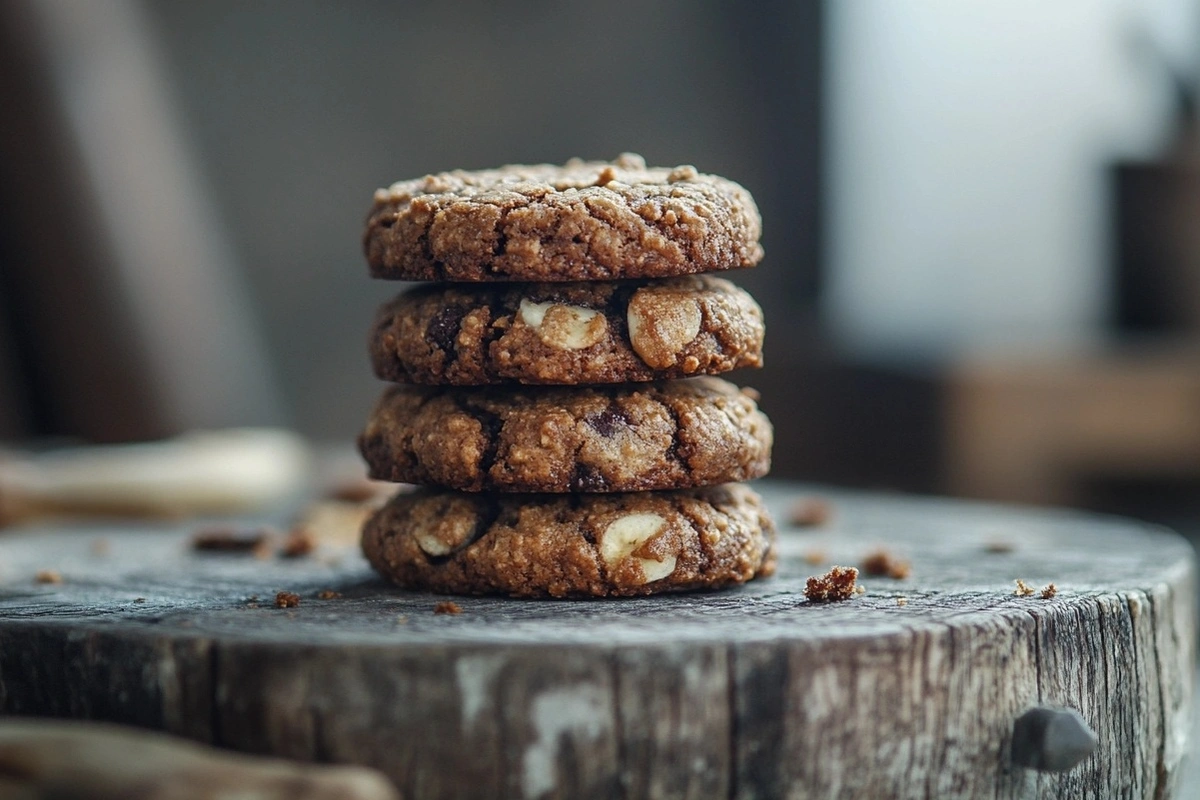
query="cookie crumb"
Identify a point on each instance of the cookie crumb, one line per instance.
(902, 601)
(329, 594)
(228, 539)
(881, 562)
(447, 607)
(361, 490)
(287, 600)
(607, 176)
(815, 557)
(998, 546)
(300, 542)
(48, 576)
(1049, 591)
(1023, 589)
(810, 512)
(836, 584)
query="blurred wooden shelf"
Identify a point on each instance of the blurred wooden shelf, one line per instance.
(1035, 428)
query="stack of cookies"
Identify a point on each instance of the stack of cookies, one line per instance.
(552, 391)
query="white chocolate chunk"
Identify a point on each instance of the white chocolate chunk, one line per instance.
(563, 326)
(661, 325)
(627, 534)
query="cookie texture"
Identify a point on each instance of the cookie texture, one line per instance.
(621, 438)
(583, 221)
(567, 333)
(572, 546)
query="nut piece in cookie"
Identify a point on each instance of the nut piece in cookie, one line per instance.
(661, 324)
(562, 326)
(629, 535)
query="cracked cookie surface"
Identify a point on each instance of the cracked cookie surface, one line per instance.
(582, 221)
(572, 546)
(619, 438)
(567, 333)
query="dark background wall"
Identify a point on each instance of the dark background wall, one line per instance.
(301, 109)
(293, 113)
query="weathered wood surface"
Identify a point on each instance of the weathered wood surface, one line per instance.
(750, 693)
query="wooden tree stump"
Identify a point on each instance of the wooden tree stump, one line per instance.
(908, 691)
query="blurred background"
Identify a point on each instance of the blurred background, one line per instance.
(982, 220)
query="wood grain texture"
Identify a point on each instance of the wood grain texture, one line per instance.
(749, 693)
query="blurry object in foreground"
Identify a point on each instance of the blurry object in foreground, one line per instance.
(68, 760)
(209, 472)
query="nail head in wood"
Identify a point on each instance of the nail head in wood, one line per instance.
(1051, 739)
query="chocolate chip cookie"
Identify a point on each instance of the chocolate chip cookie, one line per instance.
(572, 546)
(567, 333)
(583, 221)
(620, 438)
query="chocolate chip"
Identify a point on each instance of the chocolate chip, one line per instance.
(443, 328)
(605, 423)
(587, 479)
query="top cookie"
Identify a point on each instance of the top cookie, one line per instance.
(584, 221)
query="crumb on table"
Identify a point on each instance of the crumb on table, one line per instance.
(299, 542)
(328, 594)
(230, 539)
(447, 607)
(881, 562)
(287, 600)
(48, 576)
(809, 512)
(361, 490)
(1049, 591)
(836, 584)
(1023, 589)
(902, 601)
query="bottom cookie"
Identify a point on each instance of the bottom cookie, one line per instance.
(594, 545)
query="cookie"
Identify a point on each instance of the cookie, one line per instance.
(584, 221)
(567, 333)
(574, 545)
(620, 438)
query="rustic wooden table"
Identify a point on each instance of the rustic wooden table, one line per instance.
(910, 690)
